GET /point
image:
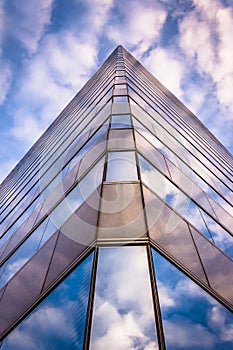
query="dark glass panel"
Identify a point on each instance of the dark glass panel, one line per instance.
(59, 320)
(218, 267)
(23, 289)
(33, 218)
(189, 187)
(17, 237)
(2, 290)
(58, 216)
(123, 316)
(171, 233)
(77, 233)
(94, 146)
(192, 319)
(180, 163)
(22, 254)
(120, 139)
(183, 204)
(78, 195)
(121, 212)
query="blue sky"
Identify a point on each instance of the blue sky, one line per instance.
(49, 49)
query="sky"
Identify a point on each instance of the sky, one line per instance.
(50, 48)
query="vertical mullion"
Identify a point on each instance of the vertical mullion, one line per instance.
(157, 311)
(89, 314)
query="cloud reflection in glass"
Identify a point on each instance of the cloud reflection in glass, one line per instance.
(192, 319)
(123, 316)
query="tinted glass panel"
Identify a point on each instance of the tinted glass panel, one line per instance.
(123, 316)
(22, 255)
(184, 205)
(59, 321)
(57, 218)
(192, 319)
(78, 195)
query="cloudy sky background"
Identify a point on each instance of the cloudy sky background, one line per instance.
(50, 48)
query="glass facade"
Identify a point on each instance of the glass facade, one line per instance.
(59, 321)
(116, 226)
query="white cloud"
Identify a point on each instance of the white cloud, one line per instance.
(48, 81)
(6, 167)
(140, 29)
(158, 62)
(195, 96)
(97, 14)
(32, 17)
(2, 21)
(205, 37)
(5, 79)
(5, 69)
(26, 129)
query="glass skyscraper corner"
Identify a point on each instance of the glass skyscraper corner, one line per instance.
(116, 226)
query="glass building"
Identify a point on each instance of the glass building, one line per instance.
(116, 226)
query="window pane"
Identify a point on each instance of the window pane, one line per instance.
(192, 319)
(57, 218)
(120, 99)
(121, 121)
(22, 254)
(185, 206)
(123, 316)
(59, 321)
(78, 195)
(121, 166)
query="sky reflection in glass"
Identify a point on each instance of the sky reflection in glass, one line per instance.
(185, 206)
(57, 217)
(59, 321)
(123, 316)
(121, 166)
(192, 319)
(121, 121)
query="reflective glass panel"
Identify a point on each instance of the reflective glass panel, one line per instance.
(192, 319)
(185, 206)
(59, 321)
(121, 121)
(120, 99)
(123, 316)
(78, 195)
(121, 166)
(220, 237)
(22, 255)
(57, 218)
